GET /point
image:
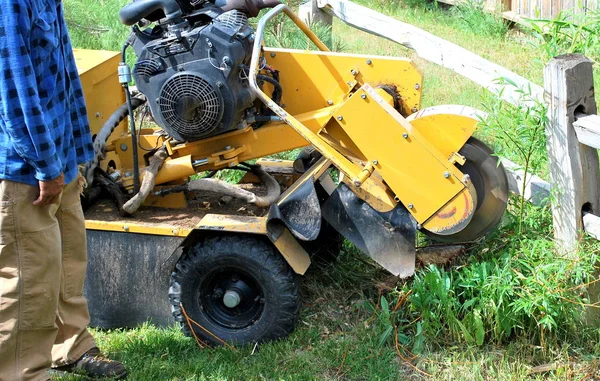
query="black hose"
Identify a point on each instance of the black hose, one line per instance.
(278, 89)
(105, 132)
(132, 131)
(134, 146)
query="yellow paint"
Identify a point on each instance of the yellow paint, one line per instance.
(455, 215)
(241, 224)
(102, 91)
(447, 128)
(138, 228)
(312, 174)
(324, 106)
(413, 170)
(311, 79)
(175, 169)
(292, 252)
(171, 201)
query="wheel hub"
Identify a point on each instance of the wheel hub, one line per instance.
(232, 299)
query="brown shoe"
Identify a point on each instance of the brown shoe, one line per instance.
(94, 365)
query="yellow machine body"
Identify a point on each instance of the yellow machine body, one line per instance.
(333, 102)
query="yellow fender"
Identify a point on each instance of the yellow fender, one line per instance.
(447, 128)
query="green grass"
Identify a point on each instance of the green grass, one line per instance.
(344, 329)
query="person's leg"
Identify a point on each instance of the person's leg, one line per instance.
(30, 257)
(72, 319)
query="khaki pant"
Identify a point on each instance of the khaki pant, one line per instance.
(43, 313)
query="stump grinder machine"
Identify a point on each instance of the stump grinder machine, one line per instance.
(176, 244)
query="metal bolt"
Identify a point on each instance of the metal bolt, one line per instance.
(466, 179)
(397, 199)
(340, 118)
(350, 83)
(419, 226)
(330, 102)
(126, 228)
(417, 86)
(227, 148)
(410, 206)
(369, 62)
(357, 183)
(414, 109)
(364, 96)
(446, 174)
(98, 115)
(218, 294)
(219, 84)
(354, 72)
(123, 147)
(405, 135)
(231, 299)
(273, 55)
(375, 162)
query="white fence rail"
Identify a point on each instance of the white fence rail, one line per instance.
(573, 133)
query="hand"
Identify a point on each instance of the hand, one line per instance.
(50, 190)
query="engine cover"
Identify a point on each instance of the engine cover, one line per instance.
(194, 77)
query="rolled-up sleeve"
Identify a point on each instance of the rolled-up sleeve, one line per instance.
(20, 106)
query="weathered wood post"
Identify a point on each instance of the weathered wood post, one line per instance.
(574, 171)
(310, 13)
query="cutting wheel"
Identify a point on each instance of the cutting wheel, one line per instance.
(490, 182)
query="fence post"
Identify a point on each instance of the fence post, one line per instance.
(574, 171)
(310, 13)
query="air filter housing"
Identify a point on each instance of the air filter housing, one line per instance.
(190, 105)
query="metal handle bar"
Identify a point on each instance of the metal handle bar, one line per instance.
(260, 34)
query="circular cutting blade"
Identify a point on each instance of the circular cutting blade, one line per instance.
(489, 179)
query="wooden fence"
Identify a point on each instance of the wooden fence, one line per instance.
(518, 10)
(573, 131)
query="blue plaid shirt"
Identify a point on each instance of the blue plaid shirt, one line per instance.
(44, 129)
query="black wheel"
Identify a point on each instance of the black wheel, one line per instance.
(238, 288)
(326, 248)
(490, 182)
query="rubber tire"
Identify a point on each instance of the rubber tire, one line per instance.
(257, 258)
(489, 177)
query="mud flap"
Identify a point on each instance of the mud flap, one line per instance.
(128, 278)
(299, 211)
(388, 238)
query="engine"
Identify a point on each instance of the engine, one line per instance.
(192, 66)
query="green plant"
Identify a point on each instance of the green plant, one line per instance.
(520, 129)
(518, 287)
(477, 20)
(568, 33)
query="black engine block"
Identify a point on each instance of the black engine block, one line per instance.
(194, 72)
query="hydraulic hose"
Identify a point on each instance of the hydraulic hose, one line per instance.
(124, 79)
(106, 131)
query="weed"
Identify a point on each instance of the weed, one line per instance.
(521, 130)
(568, 33)
(477, 20)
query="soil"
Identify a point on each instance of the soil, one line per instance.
(198, 207)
